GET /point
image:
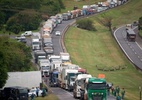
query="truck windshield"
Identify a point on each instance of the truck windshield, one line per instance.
(72, 79)
(45, 67)
(97, 86)
(55, 75)
(35, 43)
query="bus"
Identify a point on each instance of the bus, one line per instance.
(131, 35)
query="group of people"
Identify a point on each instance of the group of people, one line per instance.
(44, 92)
(117, 92)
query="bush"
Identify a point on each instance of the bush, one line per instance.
(86, 24)
(140, 23)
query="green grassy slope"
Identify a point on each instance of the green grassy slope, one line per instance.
(88, 49)
(69, 4)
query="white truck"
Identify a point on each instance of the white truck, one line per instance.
(78, 82)
(56, 63)
(65, 57)
(59, 18)
(36, 44)
(64, 78)
(48, 27)
(44, 65)
(67, 76)
(38, 55)
(47, 42)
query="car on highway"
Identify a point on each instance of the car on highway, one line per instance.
(33, 91)
(27, 33)
(20, 37)
(57, 33)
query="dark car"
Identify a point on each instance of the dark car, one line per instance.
(15, 93)
(23, 40)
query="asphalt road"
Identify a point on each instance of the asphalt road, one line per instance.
(132, 49)
(57, 39)
(61, 93)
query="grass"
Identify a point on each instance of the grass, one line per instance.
(69, 4)
(48, 97)
(88, 49)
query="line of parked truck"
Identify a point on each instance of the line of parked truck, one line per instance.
(58, 68)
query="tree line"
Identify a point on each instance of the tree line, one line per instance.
(24, 15)
(14, 56)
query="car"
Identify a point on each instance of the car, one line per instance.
(57, 33)
(23, 40)
(20, 37)
(27, 33)
(33, 91)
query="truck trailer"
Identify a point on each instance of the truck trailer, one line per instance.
(39, 54)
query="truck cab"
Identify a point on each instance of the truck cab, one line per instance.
(53, 78)
(94, 89)
(36, 44)
(71, 76)
(45, 67)
(78, 82)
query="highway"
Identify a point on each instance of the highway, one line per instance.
(132, 49)
(61, 93)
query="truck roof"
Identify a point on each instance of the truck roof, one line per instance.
(80, 76)
(35, 40)
(39, 52)
(131, 32)
(96, 80)
(54, 56)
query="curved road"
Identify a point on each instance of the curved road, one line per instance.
(61, 93)
(132, 49)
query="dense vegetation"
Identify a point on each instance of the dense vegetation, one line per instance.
(14, 56)
(140, 23)
(86, 24)
(22, 15)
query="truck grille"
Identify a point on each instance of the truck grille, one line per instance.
(97, 98)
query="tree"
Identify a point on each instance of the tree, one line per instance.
(2, 19)
(24, 20)
(105, 20)
(17, 55)
(140, 23)
(3, 69)
(86, 24)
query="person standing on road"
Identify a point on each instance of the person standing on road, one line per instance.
(123, 93)
(118, 97)
(37, 91)
(33, 96)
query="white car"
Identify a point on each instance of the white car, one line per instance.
(20, 37)
(27, 33)
(57, 33)
(33, 91)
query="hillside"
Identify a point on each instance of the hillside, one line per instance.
(88, 49)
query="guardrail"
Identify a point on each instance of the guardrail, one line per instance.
(63, 36)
